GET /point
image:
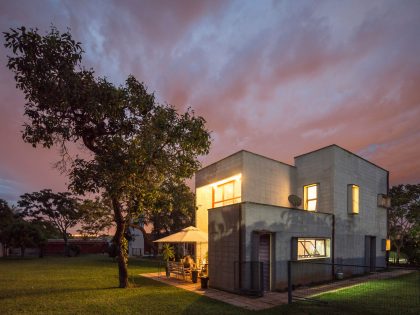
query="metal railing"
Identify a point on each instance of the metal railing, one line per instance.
(350, 286)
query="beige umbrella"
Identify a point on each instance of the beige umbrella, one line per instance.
(190, 234)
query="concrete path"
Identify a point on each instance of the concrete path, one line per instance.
(270, 299)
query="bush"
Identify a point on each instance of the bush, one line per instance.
(112, 250)
(74, 250)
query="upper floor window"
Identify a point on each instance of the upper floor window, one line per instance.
(310, 196)
(353, 199)
(227, 193)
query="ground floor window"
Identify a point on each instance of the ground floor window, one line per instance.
(309, 248)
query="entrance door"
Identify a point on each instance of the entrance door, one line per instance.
(264, 257)
(370, 253)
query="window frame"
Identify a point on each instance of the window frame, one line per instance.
(306, 200)
(350, 199)
(326, 245)
(223, 200)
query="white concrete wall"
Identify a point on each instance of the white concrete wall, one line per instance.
(284, 224)
(371, 219)
(225, 168)
(136, 243)
(317, 168)
(267, 181)
(334, 169)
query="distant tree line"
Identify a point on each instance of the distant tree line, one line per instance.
(42, 215)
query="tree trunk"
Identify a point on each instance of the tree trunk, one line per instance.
(22, 251)
(119, 239)
(398, 246)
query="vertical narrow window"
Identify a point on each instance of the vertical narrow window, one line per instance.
(310, 194)
(353, 200)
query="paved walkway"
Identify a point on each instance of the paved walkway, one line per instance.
(270, 299)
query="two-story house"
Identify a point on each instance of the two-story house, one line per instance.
(327, 207)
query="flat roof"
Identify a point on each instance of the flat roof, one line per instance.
(297, 156)
(240, 151)
(336, 145)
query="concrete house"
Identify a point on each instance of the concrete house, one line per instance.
(329, 206)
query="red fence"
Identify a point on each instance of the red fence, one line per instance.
(56, 247)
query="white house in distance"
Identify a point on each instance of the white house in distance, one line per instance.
(136, 244)
(249, 205)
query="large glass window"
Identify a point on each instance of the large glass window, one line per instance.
(309, 248)
(353, 199)
(310, 194)
(227, 193)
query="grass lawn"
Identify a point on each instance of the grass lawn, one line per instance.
(87, 285)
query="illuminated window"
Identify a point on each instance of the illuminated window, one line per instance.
(310, 194)
(312, 248)
(227, 192)
(353, 199)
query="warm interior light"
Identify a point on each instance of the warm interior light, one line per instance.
(355, 195)
(227, 191)
(229, 179)
(388, 245)
(310, 197)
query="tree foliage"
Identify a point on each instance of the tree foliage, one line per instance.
(133, 143)
(15, 231)
(404, 219)
(96, 217)
(172, 211)
(7, 217)
(60, 209)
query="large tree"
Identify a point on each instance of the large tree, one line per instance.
(133, 144)
(404, 215)
(60, 209)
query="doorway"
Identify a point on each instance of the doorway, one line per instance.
(370, 253)
(264, 255)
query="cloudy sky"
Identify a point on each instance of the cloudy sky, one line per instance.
(279, 78)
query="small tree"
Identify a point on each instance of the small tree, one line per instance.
(404, 215)
(7, 217)
(23, 234)
(60, 209)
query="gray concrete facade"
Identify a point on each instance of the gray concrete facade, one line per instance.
(264, 209)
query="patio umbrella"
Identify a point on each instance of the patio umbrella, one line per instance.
(190, 234)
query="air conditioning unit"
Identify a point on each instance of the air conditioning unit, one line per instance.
(384, 201)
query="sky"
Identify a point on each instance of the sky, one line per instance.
(278, 78)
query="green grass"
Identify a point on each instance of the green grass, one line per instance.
(393, 258)
(87, 285)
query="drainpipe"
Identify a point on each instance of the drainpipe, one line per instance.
(387, 221)
(240, 247)
(333, 247)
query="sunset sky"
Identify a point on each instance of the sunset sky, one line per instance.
(278, 78)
